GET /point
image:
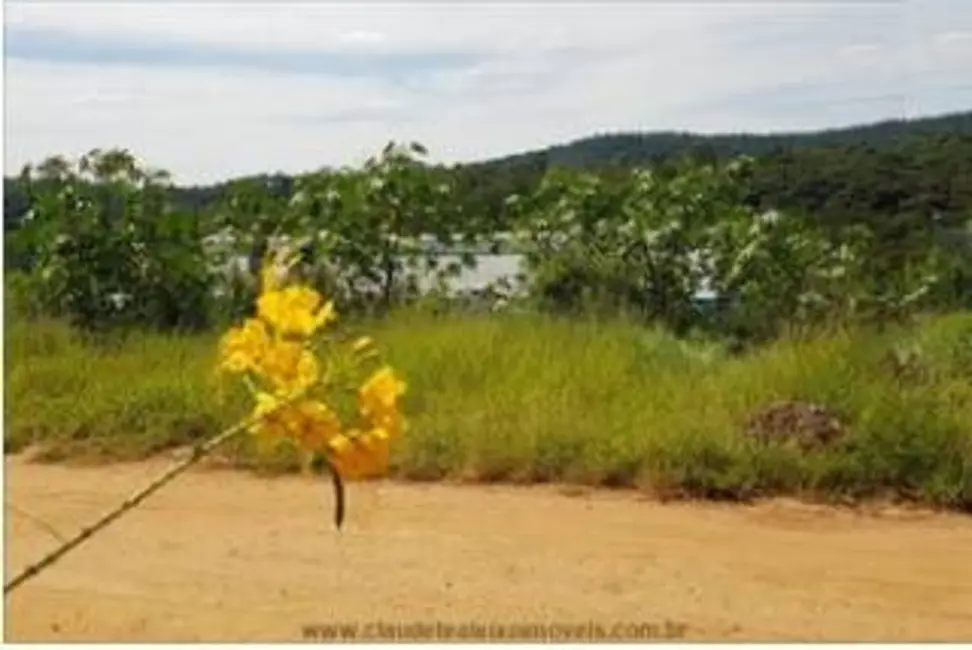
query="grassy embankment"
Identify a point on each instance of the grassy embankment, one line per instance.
(529, 398)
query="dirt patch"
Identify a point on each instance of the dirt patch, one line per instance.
(224, 556)
(808, 425)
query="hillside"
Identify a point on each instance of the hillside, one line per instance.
(627, 149)
(921, 167)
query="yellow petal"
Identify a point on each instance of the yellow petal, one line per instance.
(319, 425)
(340, 445)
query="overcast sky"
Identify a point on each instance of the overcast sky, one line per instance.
(211, 90)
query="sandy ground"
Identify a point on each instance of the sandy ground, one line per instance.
(225, 556)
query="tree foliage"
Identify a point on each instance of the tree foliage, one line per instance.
(106, 246)
(719, 245)
(652, 244)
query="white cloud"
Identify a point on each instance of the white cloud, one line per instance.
(860, 50)
(547, 73)
(358, 36)
(947, 38)
(402, 26)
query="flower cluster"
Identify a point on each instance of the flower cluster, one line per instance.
(275, 353)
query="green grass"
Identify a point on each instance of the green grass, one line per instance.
(529, 398)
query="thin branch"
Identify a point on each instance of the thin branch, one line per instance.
(115, 513)
(198, 453)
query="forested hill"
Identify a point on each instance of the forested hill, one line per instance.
(917, 167)
(629, 149)
(870, 172)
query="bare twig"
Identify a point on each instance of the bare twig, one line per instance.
(127, 505)
(198, 453)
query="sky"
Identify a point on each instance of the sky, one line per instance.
(210, 90)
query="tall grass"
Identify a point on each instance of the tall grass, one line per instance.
(533, 398)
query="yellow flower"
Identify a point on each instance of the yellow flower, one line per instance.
(341, 444)
(317, 425)
(346, 458)
(380, 392)
(310, 424)
(378, 399)
(378, 445)
(274, 419)
(276, 268)
(360, 455)
(295, 310)
(269, 278)
(241, 348)
(388, 420)
(289, 365)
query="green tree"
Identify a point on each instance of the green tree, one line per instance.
(108, 249)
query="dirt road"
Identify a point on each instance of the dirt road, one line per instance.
(221, 555)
